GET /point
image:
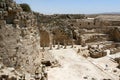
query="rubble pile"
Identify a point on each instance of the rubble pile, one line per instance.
(96, 52)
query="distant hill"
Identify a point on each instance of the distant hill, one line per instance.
(106, 13)
(114, 13)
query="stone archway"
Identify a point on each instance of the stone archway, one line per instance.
(44, 38)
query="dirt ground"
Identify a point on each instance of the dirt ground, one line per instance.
(76, 67)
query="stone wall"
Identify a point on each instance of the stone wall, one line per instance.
(115, 34)
(19, 37)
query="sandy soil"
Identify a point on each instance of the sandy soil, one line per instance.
(76, 67)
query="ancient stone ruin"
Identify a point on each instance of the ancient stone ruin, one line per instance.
(28, 41)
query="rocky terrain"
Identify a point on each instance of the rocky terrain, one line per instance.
(30, 39)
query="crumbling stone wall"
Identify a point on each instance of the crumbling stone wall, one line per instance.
(115, 34)
(8, 10)
(60, 36)
(19, 47)
(19, 37)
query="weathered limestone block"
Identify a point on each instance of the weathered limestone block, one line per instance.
(4, 4)
(16, 21)
(2, 22)
(10, 9)
(5, 13)
(12, 4)
(1, 15)
(1, 5)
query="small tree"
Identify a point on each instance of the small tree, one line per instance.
(25, 7)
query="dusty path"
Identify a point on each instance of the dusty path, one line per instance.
(74, 67)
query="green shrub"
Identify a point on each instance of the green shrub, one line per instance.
(25, 7)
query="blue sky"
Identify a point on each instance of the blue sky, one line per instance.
(73, 6)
